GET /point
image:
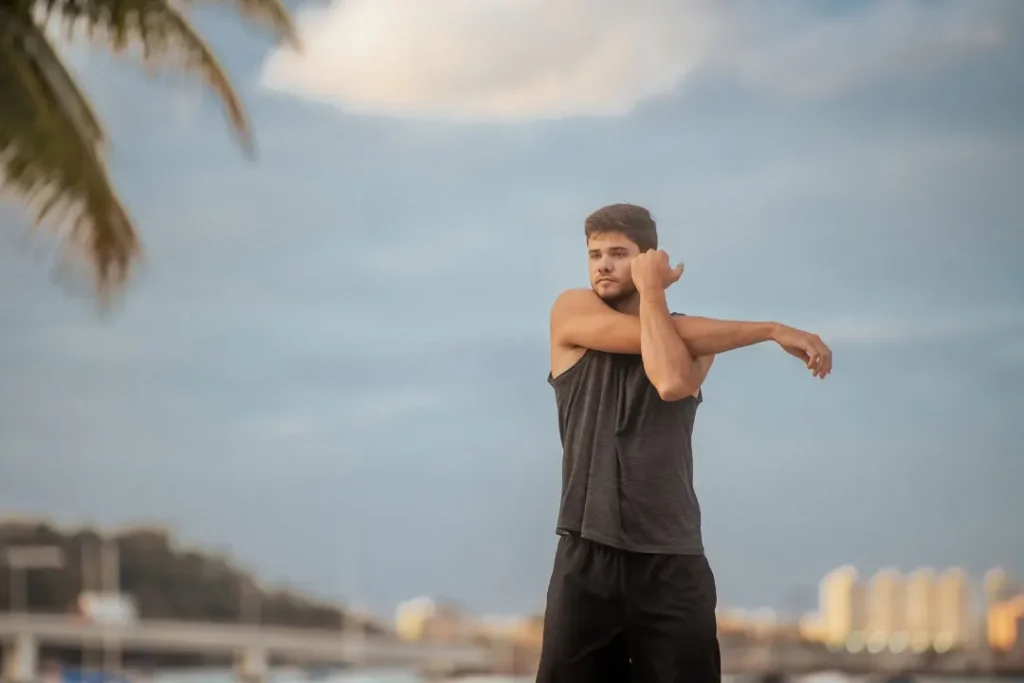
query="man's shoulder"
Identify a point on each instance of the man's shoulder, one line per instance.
(574, 302)
(575, 296)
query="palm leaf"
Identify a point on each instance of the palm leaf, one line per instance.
(50, 147)
(270, 13)
(166, 38)
(51, 142)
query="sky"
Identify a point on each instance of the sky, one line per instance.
(332, 361)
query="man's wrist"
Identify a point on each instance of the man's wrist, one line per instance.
(653, 296)
(773, 331)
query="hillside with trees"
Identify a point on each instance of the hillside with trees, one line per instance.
(166, 580)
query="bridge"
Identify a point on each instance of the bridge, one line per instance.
(251, 646)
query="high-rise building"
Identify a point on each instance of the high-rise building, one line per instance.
(886, 610)
(1004, 619)
(954, 611)
(411, 618)
(839, 604)
(999, 591)
(922, 620)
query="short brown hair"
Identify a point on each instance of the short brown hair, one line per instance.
(635, 222)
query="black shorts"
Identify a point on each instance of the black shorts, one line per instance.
(614, 616)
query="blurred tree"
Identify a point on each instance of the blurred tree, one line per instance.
(164, 579)
(51, 143)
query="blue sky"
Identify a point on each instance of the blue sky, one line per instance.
(332, 361)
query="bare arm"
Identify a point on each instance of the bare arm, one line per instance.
(666, 359)
(580, 318)
(701, 366)
(707, 336)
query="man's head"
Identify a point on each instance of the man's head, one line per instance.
(615, 234)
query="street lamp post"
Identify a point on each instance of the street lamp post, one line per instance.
(110, 577)
(101, 577)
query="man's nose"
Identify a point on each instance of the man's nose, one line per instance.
(604, 265)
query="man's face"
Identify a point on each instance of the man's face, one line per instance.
(610, 254)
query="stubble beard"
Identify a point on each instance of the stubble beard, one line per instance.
(622, 300)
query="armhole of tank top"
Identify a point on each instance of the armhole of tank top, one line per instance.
(572, 369)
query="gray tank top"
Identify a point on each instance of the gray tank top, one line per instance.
(627, 460)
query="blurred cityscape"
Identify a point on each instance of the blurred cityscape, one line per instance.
(63, 588)
(922, 611)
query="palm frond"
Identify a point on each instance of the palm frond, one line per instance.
(82, 111)
(272, 14)
(50, 151)
(166, 38)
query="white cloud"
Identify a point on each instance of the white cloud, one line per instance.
(502, 60)
(492, 59)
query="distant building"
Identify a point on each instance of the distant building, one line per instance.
(412, 616)
(812, 628)
(423, 618)
(840, 606)
(922, 616)
(1004, 624)
(447, 623)
(886, 624)
(954, 611)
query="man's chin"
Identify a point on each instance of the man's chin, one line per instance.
(612, 293)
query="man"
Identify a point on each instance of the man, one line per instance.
(632, 597)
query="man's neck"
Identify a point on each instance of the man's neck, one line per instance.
(629, 305)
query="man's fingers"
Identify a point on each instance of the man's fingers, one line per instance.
(677, 272)
(823, 364)
(814, 356)
(817, 357)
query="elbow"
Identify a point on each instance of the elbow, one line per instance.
(673, 390)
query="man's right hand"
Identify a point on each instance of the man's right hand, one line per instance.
(806, 346)
(652, 273)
